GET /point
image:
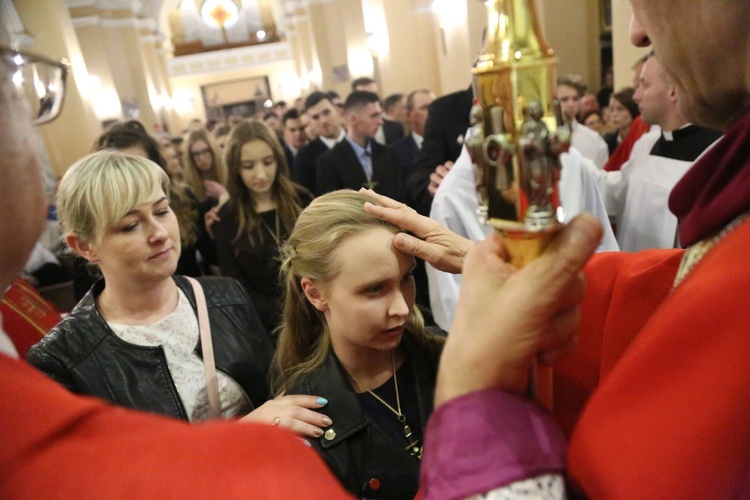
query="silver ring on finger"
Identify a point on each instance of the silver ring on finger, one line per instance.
(276, 421)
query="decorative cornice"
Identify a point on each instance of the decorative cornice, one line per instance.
(231, 59)
(134, 5)
(74, 4)
(87, 21)
(147, 23)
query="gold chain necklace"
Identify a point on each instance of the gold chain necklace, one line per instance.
(414, 448)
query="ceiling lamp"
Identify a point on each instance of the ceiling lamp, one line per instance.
(220, 13)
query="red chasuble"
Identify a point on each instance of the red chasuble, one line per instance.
(670, 418)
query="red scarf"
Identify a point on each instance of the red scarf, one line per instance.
(716, 189)
(622, 153)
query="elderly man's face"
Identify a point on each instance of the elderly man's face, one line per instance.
(693, 40)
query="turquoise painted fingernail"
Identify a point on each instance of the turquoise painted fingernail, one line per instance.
(322, 401)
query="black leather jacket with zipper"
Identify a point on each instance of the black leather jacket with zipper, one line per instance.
(86, 356)
(365, 459)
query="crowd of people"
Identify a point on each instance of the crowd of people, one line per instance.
(254, 290)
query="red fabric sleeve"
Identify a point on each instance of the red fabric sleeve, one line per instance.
(623, 291)
(670, 420)
(58, 445)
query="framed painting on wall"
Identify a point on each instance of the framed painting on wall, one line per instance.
(237, 97)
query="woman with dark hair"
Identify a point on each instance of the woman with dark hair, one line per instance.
(593, 120)
(206, 177)
(623, 110)
(262, 209)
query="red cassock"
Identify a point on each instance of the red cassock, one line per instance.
(58, 445)
(669, 418)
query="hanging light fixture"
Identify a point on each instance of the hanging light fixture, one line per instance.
(220, 13)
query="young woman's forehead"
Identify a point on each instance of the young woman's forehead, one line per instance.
(371, 256)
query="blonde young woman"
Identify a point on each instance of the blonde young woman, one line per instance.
(262, 208)
(133, 339)
(351, 334)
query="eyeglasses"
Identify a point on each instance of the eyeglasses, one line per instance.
(202, 152)
(39, 80)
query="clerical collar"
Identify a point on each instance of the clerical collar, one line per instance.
(670, 136)
(686, 143)
(330, 143)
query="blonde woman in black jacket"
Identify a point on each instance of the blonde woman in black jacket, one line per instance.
(133, 339)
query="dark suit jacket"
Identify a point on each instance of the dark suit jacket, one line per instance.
(289, 158)
(447, 120)
(406, 151)
(392, 131)
(339, 168)
(304, 163)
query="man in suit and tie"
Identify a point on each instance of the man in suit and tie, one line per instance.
(358, 161)
(294, 135)
(406, 149)
(325, 118)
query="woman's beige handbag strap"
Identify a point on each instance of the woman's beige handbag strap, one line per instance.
(212, 384)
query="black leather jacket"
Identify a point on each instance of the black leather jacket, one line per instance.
(361, 455)
(86, 356)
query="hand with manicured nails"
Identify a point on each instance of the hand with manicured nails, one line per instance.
(294, 413)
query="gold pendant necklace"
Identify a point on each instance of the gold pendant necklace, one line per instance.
(414, 447)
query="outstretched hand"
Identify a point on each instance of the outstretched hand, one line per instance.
(507, 316)
(294, 413)
(442, 248)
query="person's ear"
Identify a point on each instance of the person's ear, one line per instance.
(672, 93)
(313, 294)
(352, 118)
(81, 247)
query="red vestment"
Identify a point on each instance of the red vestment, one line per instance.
(58, 445)
(670, 420)
(622, 152)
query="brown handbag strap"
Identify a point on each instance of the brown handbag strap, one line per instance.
(212, 383)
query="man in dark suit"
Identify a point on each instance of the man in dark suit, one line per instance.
(407, 148)
(394, 117)
(358, 161)
(324, 116)
(447, 121)
(294, 135)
